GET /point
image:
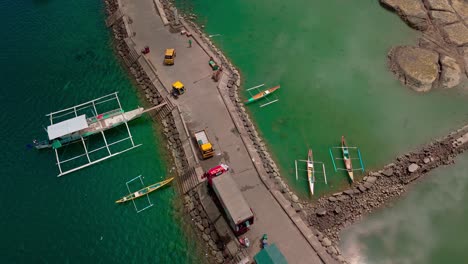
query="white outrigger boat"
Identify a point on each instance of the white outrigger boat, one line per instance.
(80, 126)
(311, 170)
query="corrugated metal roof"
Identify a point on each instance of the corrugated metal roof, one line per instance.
(67, 127)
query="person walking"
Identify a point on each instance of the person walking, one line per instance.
(189, 43)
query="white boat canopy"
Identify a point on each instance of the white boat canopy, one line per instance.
(67, 127)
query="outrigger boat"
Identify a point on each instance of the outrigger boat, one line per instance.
(144, 191)
(77, 123)
(310, 171)
(310, 168)
(347, 158)
(262, 94)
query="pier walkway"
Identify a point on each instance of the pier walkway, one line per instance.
(202, 107)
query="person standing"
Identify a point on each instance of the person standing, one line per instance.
(189, 43)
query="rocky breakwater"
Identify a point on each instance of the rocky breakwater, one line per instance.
(441, 58)
(331, 214)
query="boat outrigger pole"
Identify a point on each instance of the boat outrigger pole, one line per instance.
(74, 124)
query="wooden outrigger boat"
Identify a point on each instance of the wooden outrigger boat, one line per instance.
(144, 191)
(310, 171)
(77, 123)
(262, 94)
(347, 158)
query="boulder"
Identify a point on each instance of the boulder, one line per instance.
(321, 212)
(417, 68)
(371, 179)
(413, 167)
(326, 242)
(331, 250)
(294, 198)
(297, 207)
(388, 172)
(337, 210)
(361, 188)
(456, 33)
(205, 237)
(465, 59)
(200, 227)
(332, 199)
(451, 72)
(443, 5)
(426, 160)
(461, 8)
(368, 185)
(443, 17)
(349, 192)
(411, 11)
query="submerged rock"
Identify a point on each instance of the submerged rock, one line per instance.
(418, 68)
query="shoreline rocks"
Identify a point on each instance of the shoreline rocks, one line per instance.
(440, 61)
(332, 214)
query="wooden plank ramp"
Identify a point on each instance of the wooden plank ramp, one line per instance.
(164, 111)
(187, 181)
(113, 18)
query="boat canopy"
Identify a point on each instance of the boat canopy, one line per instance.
(67, 127)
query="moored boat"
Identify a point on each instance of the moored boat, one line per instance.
(347, 158)
(144, 191)
(310, 171)
(262, 94)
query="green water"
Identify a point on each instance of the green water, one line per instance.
(330, 59)
(426, 226)
(55, 54)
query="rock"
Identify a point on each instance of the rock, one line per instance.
(465, 59)
(461, 7)
(219, 257)
(426, 160)
(331, 250)
(294, 198)
(190, 206)
(411, 11)
(205, 237)
(186, 199)
(200, 227)
(297, 207)
(321, 212)
(456, 33)
(332, 199)
(337, 194)
(443, 17)
(326, 242)
(451, 72)
(368, 185)
(375, 174)
(361, 188)
(371, 179)
(439, 5)
(341, 259)
(337, 210)
(388, 172)
(205, 223)
(417, 68)
(349, 192)
(342, 198)
(413, 167)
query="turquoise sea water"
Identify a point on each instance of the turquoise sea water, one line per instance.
(55, 54)
(330, 59)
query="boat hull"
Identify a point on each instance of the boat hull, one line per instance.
(347, 158)
(153, 187)
(310, 171)
(262, 94)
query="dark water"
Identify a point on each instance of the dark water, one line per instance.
(55, 54)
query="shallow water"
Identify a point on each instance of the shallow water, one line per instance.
(55, 54)
(426, 226)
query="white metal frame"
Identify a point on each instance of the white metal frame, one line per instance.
(266, 98)
(337, 158)
(314, 162)
(74, 110)
(147, 196)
